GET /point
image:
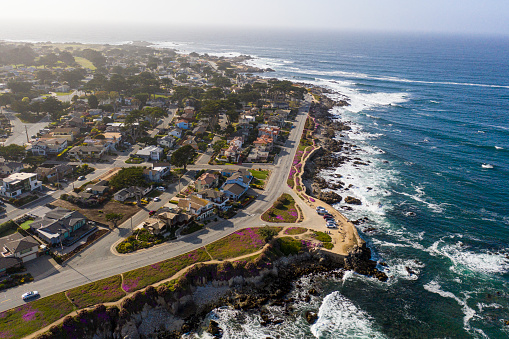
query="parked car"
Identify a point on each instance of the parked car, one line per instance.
(81, 177)
(160, 188)
(157, 199)
(30, 295)
(151, 213)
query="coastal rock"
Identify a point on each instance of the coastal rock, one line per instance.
(329, 197)
(359, 260)
(352, 201)
(214, 329)
(311, 317)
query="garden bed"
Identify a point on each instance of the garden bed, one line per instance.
(283, 210)
(295, 230)
(139, 240)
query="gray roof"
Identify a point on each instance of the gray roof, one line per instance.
(209, 193)
(17, 242)
(234, 188)
(8, 262)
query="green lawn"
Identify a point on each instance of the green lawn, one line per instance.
(289, 245)
(100, 291)
(26, 224)
(148, 275)
(260, 174)
(31, 317)
(85, 63)
(295, 230)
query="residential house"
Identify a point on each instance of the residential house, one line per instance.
(18, 183)
(9, 167)
(176, 132)
(68, 133)
(240, 179)
(9, 262)
(197, 207)
(58, 225)
(166, 219)
(234, 191)
(268, 130)
(192, 141)
(218, 198)
(151, 153)
(257, 155)
(166, 141)
(131, 192)
(157, 172)
(19, 246)
(55, 173)
(237, 141)
(189, 110)
(183, 124)
(232, 153)
(48, 146)
(264, 143)
(206, 180)
(89, 151)
(99, 189)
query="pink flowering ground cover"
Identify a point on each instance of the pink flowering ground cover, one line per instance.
(31, 317)
(286, 212)
(148, 275)
(242, 242)
(97, 292)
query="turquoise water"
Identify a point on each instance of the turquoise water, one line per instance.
(430, 114)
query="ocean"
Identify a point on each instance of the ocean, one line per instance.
(430, 116)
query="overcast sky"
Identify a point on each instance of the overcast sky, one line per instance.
(449, 16)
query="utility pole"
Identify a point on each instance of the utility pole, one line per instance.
(132, 231)
(26, 132)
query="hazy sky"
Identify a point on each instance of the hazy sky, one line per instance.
(453, 16)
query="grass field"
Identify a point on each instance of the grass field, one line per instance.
(236, 244)
(148, 275)
(100, 291)
(85, 63)
(33, 316)
(295, 230)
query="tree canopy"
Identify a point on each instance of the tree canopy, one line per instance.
(127, 177)
(183, 156)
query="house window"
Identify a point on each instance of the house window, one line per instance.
(25, 251)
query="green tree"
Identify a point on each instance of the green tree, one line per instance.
(12, 152)
(93, 102)
(19, 86)
(183, 156)
(114, 218)
(127, 177)
(53, 106)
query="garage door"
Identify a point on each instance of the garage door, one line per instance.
(30, 257)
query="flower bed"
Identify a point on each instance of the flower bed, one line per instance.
(295, 230)
(100, 291)
(283, 210)
(139, 240)
(144, 276)
(242, 242)
(26, 319)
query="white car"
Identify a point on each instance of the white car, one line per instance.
(161, 188)
(156, 199)
(30, 295)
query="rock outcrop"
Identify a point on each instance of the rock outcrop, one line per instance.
(353, 201)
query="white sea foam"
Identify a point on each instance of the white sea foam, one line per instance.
(469, 313)
(338, 317)
(498, 147)
(462, 258)
(487, 166)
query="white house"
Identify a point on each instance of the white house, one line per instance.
(176, 132)
(18, 183)
(48, 146)
(166, 141)
(151, 153)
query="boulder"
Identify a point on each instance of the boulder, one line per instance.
(311, 317)
(353, 201)
(214, 329)
(329, 197)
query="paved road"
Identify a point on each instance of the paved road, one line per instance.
(19, 135)
(99, 262)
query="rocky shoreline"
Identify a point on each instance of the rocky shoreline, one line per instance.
(172, 310)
